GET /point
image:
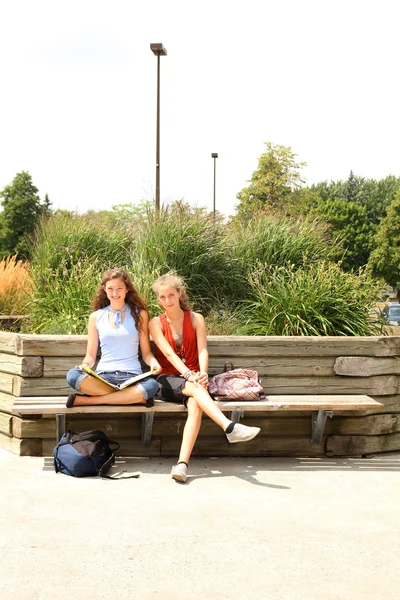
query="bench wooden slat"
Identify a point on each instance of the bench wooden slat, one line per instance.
(45, 405)
(320, 406)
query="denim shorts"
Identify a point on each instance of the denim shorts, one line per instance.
(149, 387)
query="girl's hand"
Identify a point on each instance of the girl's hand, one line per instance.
(81, 366)
(155, 366)
(202, 379)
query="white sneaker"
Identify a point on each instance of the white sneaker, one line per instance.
(242, 433)
(179, 472)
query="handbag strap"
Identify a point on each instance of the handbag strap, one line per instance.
(228, 366)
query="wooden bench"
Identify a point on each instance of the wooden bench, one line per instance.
(321, 407)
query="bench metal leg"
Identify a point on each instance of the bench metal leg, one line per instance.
(318, 421)
(236, 415)
(147, 427)
(60, 426)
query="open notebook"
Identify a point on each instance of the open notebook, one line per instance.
(131, 381)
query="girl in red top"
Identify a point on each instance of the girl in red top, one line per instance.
(180, 337)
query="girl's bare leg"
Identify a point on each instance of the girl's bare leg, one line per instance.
(94, 387)
(130, 395)
(191, 430)
(206, 403)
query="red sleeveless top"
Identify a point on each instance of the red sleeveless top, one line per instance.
(188, 352)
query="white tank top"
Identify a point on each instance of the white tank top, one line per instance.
(119, 347)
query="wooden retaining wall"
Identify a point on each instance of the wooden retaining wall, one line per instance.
(35, 365)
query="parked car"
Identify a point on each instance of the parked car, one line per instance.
(391, 312)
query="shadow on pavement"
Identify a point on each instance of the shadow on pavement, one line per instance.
(247, 469)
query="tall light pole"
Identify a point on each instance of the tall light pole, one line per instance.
(214, 155)
(158, 50)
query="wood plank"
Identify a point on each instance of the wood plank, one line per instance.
(374, 386)
(391, 405)
(231, 346)
(367, 366)
(352, 445)
(58, 366)
(8, 341)
(52, 407)
(279, 365)
(50, 345)
(271, 403)
(126, 426)
(6, 423)
(6, 402)
(37, 428)
(7, 383)
(26, 366)
(25, 447)
(368, 425)
(260, 446)
(298, 426)
(40, 386)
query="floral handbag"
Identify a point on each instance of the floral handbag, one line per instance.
(236, 384)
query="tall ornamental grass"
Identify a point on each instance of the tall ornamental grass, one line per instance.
(15, 286)
(318, 300)
(188, 242)
(68, 237)
(276, 240)
(271, 276)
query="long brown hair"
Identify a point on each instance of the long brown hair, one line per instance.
(132, 298)
(177, 282)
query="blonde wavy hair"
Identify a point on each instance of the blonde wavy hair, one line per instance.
(173, 280)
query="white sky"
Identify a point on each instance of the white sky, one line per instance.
(78, 94)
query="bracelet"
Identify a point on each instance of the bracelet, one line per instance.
(187, 374)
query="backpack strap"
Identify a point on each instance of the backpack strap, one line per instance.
(107, 465)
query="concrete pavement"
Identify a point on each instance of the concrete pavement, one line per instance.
(240, 528)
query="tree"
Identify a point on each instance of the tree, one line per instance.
(385, 259)
(46, 207)
(375, 195)
(352, 187)
(22, 210)
(277, 175)
(349, 225)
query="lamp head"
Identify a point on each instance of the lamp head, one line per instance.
(158, 49)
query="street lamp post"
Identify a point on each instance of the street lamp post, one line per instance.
(214, 155)
(158, 50)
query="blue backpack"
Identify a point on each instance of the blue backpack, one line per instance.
(86, 454)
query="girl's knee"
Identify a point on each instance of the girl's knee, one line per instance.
(193, 407)
(149, 388)
(75, 377)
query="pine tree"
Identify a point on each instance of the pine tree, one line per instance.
(21, 212)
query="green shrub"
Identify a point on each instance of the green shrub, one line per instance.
(317, 300)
